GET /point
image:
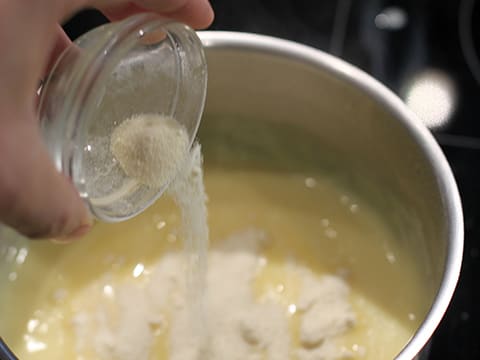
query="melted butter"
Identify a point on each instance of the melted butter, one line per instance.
(309, 219)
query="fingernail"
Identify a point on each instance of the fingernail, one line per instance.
(80, 231)
(75, 234)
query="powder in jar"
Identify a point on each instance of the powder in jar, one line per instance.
(150, 148)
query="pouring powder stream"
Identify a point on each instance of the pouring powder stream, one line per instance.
(188, 191)
(153, 149)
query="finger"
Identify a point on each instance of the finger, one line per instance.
(27, 31)
(34, 198)
(61, 42)
(196, 13)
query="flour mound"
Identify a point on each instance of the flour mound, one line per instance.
(238, 326)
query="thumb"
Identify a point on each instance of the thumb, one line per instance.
(35, 198)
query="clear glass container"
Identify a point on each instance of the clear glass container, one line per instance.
(142, 65)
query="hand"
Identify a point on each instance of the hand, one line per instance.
(35, 199)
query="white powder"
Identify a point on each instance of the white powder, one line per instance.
(150, 148)
(188, 191)
(238, 326)
(127, 167)
(326, 314)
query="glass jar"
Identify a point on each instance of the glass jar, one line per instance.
(144, 64)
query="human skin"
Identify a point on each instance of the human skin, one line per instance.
(35, 199)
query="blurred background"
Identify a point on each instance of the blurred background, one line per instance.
(426, 51)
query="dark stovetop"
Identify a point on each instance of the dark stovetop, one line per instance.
(405, 44)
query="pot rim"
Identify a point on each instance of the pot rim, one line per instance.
(362, 81)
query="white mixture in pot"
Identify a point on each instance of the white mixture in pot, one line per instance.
(238, 326)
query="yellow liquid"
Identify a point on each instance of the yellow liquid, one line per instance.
(310, 219)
